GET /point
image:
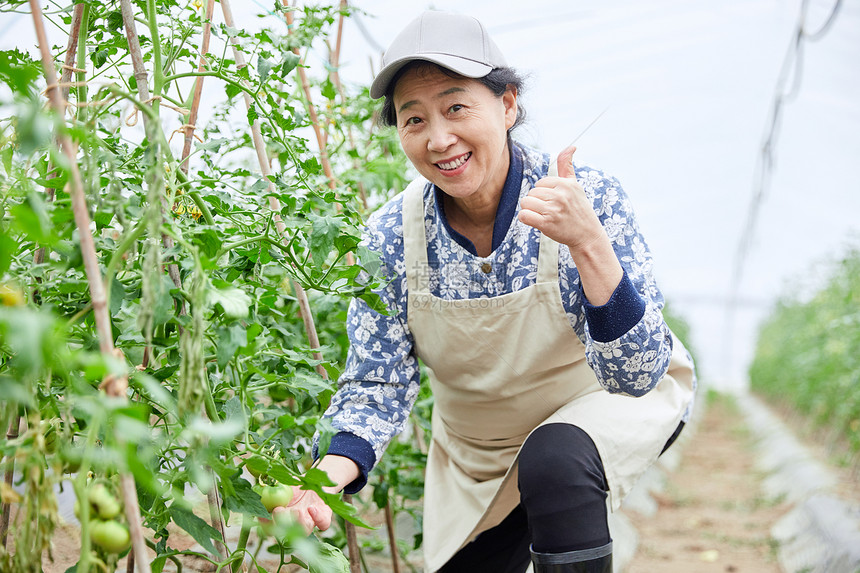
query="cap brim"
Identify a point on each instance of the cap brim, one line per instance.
(462, 66)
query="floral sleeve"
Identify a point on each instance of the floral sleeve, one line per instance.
(628, 344)
(380, 382)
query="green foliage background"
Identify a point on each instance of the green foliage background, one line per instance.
(808, 354)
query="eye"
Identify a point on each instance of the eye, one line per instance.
(455, 108)
(412, 121)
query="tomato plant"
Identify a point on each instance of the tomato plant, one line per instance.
(174, 284)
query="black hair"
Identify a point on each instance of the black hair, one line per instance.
(497, 81)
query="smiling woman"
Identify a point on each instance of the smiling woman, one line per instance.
(560, 393)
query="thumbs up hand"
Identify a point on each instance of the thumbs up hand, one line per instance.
(558, 207)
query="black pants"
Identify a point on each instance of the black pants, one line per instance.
(562, 504)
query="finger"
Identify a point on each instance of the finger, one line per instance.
(531, 218)
(544, 190)
(303, 518)
(533, 203)
(321, 517)
(565, 162)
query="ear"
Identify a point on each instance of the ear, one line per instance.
(509, 100)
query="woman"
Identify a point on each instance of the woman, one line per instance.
(530, 297)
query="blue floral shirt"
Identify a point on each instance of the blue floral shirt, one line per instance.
(628, 345)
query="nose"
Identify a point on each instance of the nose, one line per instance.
(440, 137)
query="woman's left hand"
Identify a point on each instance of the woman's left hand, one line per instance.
(558, 208)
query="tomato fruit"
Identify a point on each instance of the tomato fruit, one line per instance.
(105, 504)
(275, 495)
(110, 535)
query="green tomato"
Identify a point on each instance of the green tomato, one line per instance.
(276, 495)
(105, 504)
(278, 526)
(111, 536)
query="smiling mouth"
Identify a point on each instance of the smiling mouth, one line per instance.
(451, 165)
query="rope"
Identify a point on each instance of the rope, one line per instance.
(131, 120)
(182, 129)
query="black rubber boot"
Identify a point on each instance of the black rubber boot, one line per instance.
(597, 560)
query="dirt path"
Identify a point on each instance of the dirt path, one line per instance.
(712, 516)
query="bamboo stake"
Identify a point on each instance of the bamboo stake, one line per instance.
(392, 539)
(274, 204)
(352, 543)
(334, 59)
(312, 111)
(65, 78)
(11, 434)
(113, 386)
(198, 87)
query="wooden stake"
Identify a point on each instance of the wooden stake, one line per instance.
(96, 284)
(198, 87)
(392, 539)
(352, 543)
(11, 434)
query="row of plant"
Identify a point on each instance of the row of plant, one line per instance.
(808, 354)
(174, 289)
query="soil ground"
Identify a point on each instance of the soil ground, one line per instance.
(712, 516)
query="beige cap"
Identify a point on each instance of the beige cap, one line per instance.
(454, 41)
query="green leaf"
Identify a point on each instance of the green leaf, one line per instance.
(117, 295)
(230, 339)
(244, 499)
(328, 559)
(290, 62)
(209, 241)
(102, 219)
(202, 532)
(32, 219)
(8, 247)
(18, 70)
(163, 307)
(213, 144)
(232, 90)
(233, 301)
(252, 115)
(264, 66)
(311, 166)
(328, 90)
(324, 229)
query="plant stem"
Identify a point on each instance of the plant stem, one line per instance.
(157, 71)
(81, 89)
(244, 534)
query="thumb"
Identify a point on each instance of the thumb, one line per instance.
(565, 162)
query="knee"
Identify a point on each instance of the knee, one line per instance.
(559, 458)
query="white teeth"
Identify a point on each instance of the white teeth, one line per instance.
(456, 163)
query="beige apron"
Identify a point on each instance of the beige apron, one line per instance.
(499, 368)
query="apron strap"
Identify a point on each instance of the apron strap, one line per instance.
(547, 271)
(415, 237)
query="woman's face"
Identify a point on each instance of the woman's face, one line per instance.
(454, 130)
